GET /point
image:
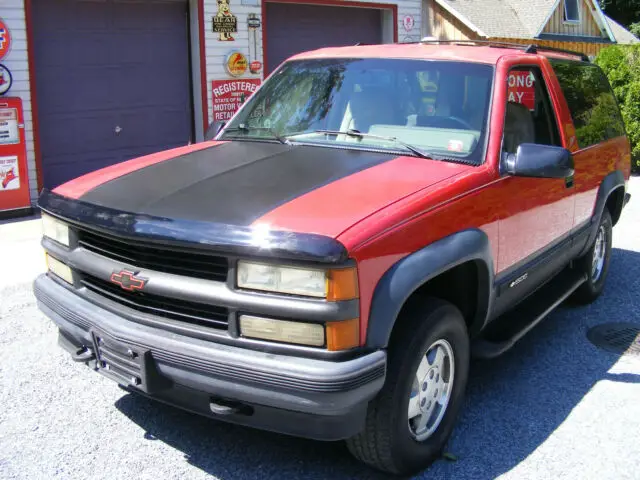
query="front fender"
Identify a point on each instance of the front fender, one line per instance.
(413, 271)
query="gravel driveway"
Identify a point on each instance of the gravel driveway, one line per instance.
(553, 407)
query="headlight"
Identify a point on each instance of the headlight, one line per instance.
(311, 334)
(55, 229)
(338, 284)
(272, 278)
(59, 269)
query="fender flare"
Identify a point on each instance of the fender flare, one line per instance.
(611, 182)
(413, 271)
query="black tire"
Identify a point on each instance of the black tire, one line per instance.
(386, 442)
(590, 290)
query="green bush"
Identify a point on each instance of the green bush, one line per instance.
(621, 64)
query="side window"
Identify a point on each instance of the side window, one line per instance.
(593, 107)
(529, 115)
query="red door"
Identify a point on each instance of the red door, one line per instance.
(540, 211)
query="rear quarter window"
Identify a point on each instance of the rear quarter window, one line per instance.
(593, 107)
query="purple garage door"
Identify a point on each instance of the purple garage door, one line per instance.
(112, 79)
(295, 28)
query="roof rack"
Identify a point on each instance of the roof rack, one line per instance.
(530, 48)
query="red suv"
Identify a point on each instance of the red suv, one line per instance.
(371, 218)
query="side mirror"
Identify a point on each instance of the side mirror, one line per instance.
(213, 130)
(538, 161)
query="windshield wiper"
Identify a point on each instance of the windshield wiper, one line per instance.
(245, 129)
(358, 134)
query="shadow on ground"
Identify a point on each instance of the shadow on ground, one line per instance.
(513, 404)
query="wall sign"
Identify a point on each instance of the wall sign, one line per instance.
(408, 22)
(522, 89)
(255, 66)
(9, 173)
(224, 22)
(236, 64)
(5, 39)
(6, 80)
(228, 95)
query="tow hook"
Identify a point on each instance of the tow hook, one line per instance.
(225, 407)
(83, 354)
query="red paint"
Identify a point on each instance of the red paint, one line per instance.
(339, 3)
(81, 185)
(14, 176)
(339, 205)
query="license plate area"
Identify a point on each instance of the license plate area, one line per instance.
(123, 363)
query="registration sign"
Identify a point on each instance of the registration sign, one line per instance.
(229, 94)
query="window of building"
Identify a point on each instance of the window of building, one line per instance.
(572, 11)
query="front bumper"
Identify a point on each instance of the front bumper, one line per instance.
(312, 398)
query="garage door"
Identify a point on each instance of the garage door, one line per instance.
(292, 28)
(112, 80)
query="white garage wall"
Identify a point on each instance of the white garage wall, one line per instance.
(12, 12)
(216, 51)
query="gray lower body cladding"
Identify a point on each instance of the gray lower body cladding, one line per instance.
(312, 398)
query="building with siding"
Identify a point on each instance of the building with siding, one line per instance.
(105, 81)
(577, 25)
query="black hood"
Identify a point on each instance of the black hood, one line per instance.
(232, 183)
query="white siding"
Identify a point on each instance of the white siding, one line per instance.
(13, 14)
(16, 61)
(216, 50)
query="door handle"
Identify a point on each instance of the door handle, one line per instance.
(117, 129)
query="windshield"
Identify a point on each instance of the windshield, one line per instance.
(437, 107)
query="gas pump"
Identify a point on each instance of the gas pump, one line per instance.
(14, 181)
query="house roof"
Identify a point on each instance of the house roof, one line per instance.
(517, 18)
(622, 34)
(507, 18)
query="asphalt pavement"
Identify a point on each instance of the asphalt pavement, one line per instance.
(553, 407)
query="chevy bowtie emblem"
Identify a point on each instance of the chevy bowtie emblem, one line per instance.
(128, 280)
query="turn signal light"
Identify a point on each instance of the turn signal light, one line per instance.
(343, 335)
(342, 284)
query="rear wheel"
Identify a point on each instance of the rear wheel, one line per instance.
(412, 417)
(595, 263)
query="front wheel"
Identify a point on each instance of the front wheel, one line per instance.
(412, 417)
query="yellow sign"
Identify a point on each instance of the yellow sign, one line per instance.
(236, 64)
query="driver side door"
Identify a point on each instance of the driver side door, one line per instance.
(534, 231)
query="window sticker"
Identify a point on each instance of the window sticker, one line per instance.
(455, 145)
